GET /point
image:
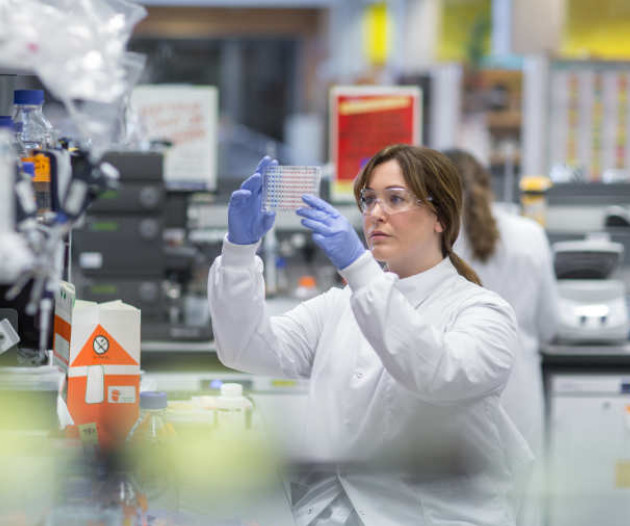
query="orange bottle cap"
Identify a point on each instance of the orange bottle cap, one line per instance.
(307, 282)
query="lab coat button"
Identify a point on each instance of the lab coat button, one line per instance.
(309, 511)
(358, 375)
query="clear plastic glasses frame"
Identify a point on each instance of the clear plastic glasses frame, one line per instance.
(391, 200)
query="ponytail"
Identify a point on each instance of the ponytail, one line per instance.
(463, 268)
(480, 225)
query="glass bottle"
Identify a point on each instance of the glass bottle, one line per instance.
(150, 442)
(33, 132)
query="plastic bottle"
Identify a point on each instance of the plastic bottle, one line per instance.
(150, 440)
(233, 409)
(152, 424)
(32, 130)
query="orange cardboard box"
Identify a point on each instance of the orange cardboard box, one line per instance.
(104, 369)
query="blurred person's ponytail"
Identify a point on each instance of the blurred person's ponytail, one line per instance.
(480, 225)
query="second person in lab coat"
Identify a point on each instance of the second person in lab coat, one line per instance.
(406, 364)
(512, 257)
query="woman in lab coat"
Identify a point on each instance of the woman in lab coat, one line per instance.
(406, 364)
(512, 257)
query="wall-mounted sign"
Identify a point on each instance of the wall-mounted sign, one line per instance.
(365, 119)
(186, 116)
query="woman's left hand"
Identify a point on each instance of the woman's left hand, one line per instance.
(332, 232)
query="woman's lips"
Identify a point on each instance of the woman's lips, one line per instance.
(378, 235)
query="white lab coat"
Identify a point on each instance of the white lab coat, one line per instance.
(404, 373)
(521, 271)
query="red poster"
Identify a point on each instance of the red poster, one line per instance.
(365, 119)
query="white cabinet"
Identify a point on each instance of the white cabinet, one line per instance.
(589, 450)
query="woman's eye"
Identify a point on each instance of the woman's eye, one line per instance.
(368, 200)
(396, 199)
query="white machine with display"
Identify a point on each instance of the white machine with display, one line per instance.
(593, 306)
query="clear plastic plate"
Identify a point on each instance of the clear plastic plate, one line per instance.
(284, 186)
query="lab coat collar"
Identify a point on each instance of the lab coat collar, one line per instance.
(418, 287)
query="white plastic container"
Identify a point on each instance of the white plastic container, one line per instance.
(233, 410)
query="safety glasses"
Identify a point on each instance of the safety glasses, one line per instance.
(392, 200)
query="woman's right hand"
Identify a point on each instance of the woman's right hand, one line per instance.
(247, 222)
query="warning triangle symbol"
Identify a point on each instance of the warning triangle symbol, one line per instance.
(100, 349)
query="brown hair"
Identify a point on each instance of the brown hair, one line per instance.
(427, 173)
(479, 223)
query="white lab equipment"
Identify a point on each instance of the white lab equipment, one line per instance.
(592, 305)
(283, 186)
(589, 448)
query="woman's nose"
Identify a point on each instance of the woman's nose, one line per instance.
(377, 214)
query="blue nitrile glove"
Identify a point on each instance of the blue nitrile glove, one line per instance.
(247, 222)
(332, 232)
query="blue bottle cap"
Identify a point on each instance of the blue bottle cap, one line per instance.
(153, 400)
(6, 122)
(29, 168)
(28, 96)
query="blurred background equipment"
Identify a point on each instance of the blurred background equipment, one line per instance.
(592, 304)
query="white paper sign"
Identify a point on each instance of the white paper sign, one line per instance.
(188, 117)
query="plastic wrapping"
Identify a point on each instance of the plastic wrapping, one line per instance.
(85, 60)
(78, 50)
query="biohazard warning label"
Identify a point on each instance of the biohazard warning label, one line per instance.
(100, 349)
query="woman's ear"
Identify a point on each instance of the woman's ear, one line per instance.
(438, 227)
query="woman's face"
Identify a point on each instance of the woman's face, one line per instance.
(408, 242)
